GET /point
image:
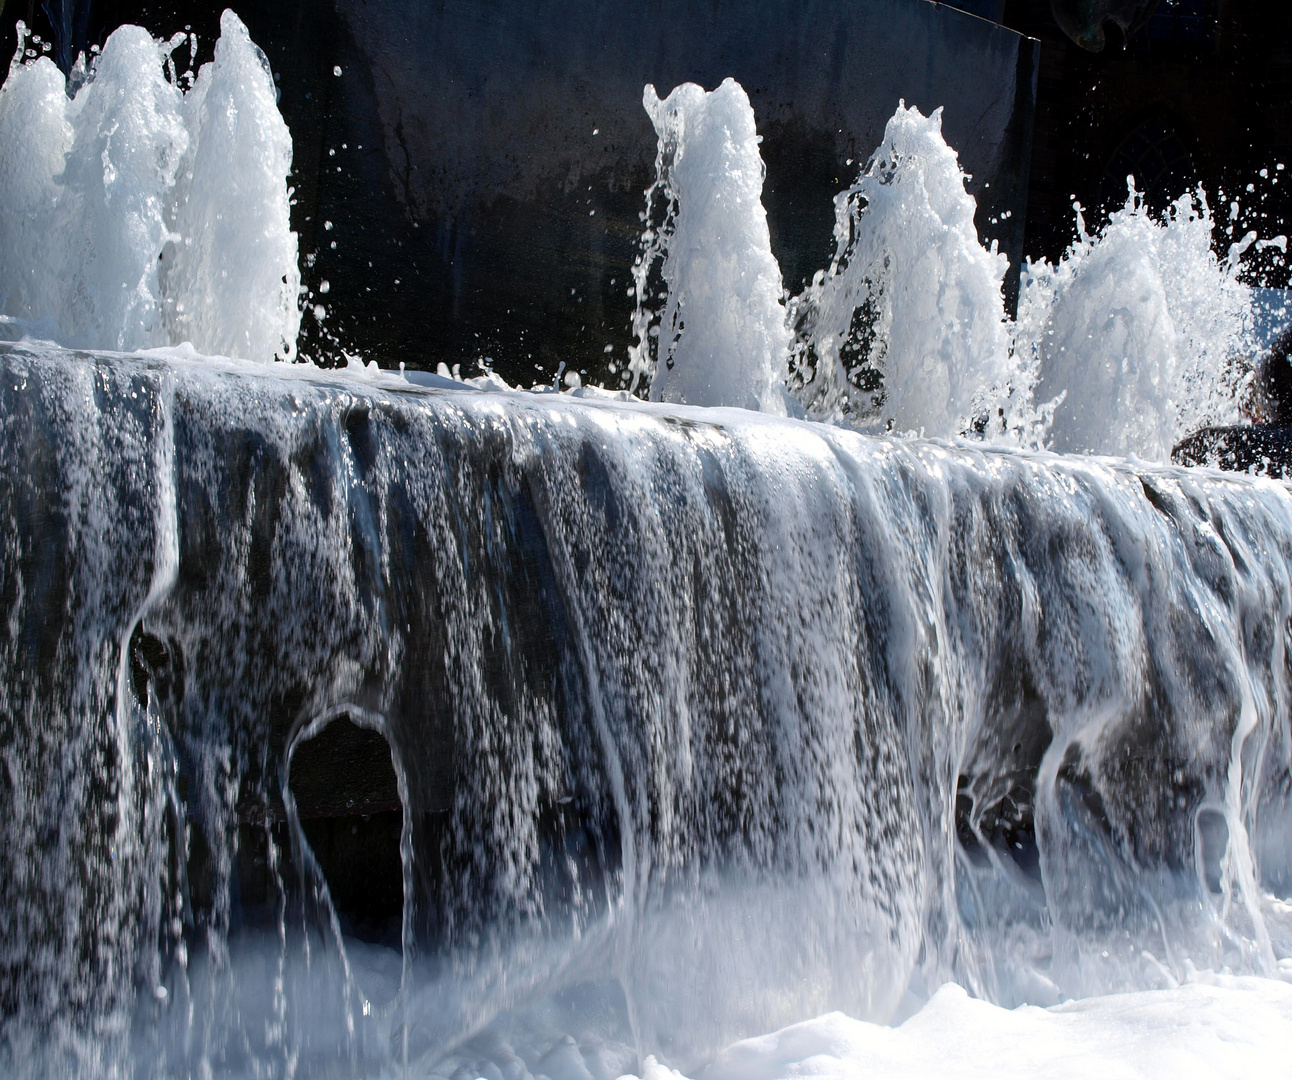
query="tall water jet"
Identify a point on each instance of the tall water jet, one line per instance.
(136, 215)
(80, 244)
(229, 275)
(720, 338)
(906, 329)
(1140, 330)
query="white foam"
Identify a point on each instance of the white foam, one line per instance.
(721, 337)
(1135, 328)
(930, 295)
(1138, 335)
(1214, 1028)
(231, 278)
(135, 216)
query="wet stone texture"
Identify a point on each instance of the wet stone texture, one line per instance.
(316, 682)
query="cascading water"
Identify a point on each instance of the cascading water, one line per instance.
(653, 726)
(750, 719)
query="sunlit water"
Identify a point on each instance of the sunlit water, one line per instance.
(1138, 336)
(143, 211)
(705, 720)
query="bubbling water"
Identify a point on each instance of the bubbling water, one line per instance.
(139, 214)
(1135, 337)
(1134, 332)
(907, 326)
(136, 215)
(720, 338)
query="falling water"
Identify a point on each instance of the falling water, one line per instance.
(648, 726)
(728, 723)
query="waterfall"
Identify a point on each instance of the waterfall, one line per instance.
(364, 724)
(726, 724)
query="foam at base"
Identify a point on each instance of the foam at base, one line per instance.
(1214, 1028)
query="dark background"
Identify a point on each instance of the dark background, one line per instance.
(1202, 95)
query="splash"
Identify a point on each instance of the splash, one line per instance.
(137, 215)
(1138, 335)
(1136, 332)
(720, 338)
(906, 329)
(1236, 1028)
(690, 730)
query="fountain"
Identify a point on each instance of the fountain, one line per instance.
(364, 721)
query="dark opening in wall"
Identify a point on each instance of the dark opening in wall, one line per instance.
(347, 797)
(1213, 844)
